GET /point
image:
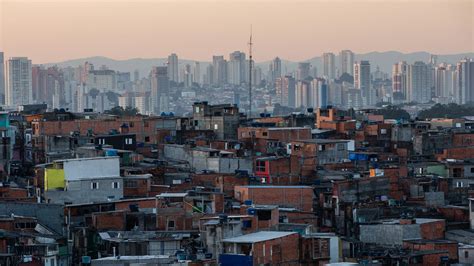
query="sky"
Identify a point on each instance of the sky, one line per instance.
(57, 30)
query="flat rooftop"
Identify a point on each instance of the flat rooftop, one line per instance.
(258, 237)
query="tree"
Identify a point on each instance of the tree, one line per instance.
(451, 110)
(393, 112)
(119, 111)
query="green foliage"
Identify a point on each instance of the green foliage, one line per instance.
(393, 112)
(451, 110)
(119, 111)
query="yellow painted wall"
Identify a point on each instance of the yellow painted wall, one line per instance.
(53, 179)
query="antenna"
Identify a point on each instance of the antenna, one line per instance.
(250, 73)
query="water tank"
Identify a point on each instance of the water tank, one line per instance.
(251, 211)
(111, 152)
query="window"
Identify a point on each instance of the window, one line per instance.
(101, 141)
(216, 126)
(197, 109)
(472, 169)
(132, 124)
(383, 131)
(147, 139)
(459, 184)
(115, 185)
(466, 254)
(129, 141)
(341, 147)
(171, 224)
(130, 183)
(265, 134)
(260, 166)
(264, 215)
(94, 185)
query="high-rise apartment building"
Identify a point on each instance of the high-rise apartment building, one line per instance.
(329, 65)
(276, 68)
(187, 76)
(347, 62)
(362, 82)
(399, 80)
(2, 79)
(197, 73)
(443, 82)
(465, 80)
(173, 63)
(160, 84)
(419, 89)
(318, 93)
(219, 66)
(302, 91)
(285, 91)
(236, 68)
(19, 91)
(303, 71)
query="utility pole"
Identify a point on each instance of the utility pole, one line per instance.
(250, 74)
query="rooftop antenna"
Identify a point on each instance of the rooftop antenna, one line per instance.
(250, 73)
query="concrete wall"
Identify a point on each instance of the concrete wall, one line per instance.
(388, 234)
(434, 199)
(92, 168)
(81, 192)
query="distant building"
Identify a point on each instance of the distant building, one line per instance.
(197, 78)
(303, 71)
(418, 88)
(347, 62)
(276, 68)
(173, 68)
(160, 84)
(236, 68)
(465, 77)
(2, 79)
(285, 90)
(329, 65)
(362, 82)
(399, 80)
(19, 85)
(219, 70)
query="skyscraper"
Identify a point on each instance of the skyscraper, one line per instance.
(187, 76)
(303, 71)
(276, 68)
(2, 79)
(347, 62)
(443, 82)
(159, 90)
(301, 94)
(173, 73)
(362, 81)
(219, 66)
(399, 81)
(329, 65)
(318, 94)
(236, 68)
(418, 88)
(19, 85)
(465, 80)
(285, 91)
(197, 73)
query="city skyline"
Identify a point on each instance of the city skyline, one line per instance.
(135, 30)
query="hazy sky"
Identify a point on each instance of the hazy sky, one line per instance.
(50, 31)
